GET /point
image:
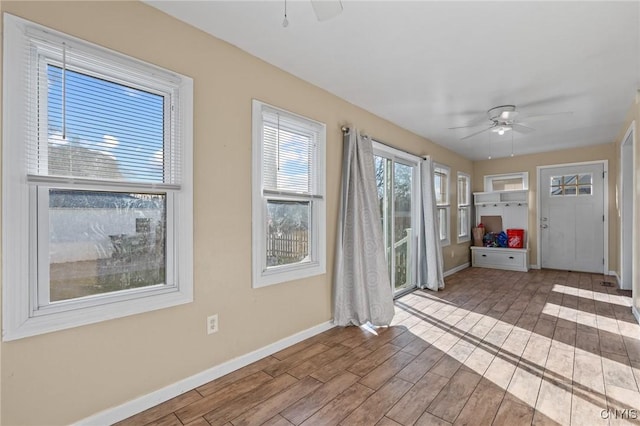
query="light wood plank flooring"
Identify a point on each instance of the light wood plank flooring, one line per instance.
(494, 348)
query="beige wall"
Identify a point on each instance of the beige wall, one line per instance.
(61, 377)
(528, 163)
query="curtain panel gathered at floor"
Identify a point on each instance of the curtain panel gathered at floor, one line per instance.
(362, 290)
(430, 264)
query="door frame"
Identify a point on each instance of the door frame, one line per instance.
(605, 200)
(407, 159)
(625, 281)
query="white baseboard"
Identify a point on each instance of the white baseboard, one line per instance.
(636, 313)
(618, 280)
(128, 409)
(536, 266)
(456, 269)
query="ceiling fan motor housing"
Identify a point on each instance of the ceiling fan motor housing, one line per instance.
(503, 115)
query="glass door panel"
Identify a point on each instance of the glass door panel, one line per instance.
(395, 184)
(403, 238)
(383, 182)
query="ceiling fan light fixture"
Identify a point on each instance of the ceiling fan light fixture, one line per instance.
(501, 129)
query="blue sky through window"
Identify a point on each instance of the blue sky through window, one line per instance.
(113, 124)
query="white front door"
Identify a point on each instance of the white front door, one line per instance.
(572, 217)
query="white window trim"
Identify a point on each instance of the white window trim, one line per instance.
(488, 180)
(261, 276)
(19, 317)
(446, 206)
(467, 237)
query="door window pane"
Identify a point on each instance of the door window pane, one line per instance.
(101, 242)
(402, 224)
(571, 185)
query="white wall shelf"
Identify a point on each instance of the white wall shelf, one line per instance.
(501, 198)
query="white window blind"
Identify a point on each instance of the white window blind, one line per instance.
(288, 196)
(80, 100)
(289, 155)
(441, 183)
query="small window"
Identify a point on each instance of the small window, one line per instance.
(464, 207)
(288, 196)
(441, 188)
(98, 202)
(506, 182)
(571, 185)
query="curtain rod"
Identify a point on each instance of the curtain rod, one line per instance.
(346, 129)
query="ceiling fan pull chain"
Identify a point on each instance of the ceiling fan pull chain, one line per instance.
(285, 22)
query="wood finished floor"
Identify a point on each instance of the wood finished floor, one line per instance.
(494, 348)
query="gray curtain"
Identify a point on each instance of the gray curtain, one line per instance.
(362, 290)
(430, 268)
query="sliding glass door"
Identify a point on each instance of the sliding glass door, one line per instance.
(397, 179)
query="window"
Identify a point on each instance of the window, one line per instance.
(507, 182)
(397, 180)
(571, 185)
(441, 188)
(464, 207)
(288, 196)
(97, 202)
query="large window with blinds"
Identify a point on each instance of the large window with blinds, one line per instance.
(97, 202)
(288, 196)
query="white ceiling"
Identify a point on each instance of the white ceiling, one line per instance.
(428, 65)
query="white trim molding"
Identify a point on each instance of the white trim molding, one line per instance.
(457, 269)
(636, 313)
(129, 408)
(618, 279)
(625, 280)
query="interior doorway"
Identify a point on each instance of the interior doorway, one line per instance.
(626, 209)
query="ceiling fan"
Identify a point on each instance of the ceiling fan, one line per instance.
(324, 9)
(505, 118)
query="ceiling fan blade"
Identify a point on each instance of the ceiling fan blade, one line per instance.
(326, 9)
(522, 129)
(545, 102)
(484, 123)
(540, 117)
(477, 133)
(475, 123)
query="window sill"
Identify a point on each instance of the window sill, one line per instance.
(46, 323)
(284, 274)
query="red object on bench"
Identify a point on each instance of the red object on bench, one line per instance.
(515, 238)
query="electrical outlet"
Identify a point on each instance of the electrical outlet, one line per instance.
(212, 324)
